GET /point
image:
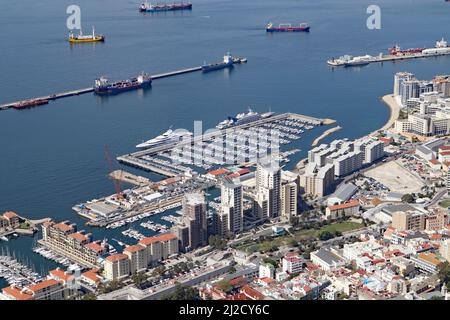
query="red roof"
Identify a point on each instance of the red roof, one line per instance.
(92, 275)
(444, 153)
(94, 246)
(434, 161)
(17, 293)
(133, 248)
(63, 226)
(243, 171)
(60, 274)
(344, 205)
(218, 172)
(252, 293)
(10, 214)
(79, 236)
(161, 238)
(42, 285)
(116, 257)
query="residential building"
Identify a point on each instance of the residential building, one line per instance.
(408, 220)
(194, 213)
(268, 185)
(116, 267)
(292, 263)
(266, 270)
(289, 194)
(342, 210)
(327, 259)
(317, 181)
(231, 207)
(160, 247)
(138, 257)
(444, 249)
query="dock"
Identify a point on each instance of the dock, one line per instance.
(388, 57)
(130, 178)
(325, 134)
(77, 92)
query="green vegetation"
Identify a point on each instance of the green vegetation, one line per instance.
(111, 286)
(139, 278)
(225, 285)
(217, 242)
(408, 198)
(444, 273)
(89, 296)
(445, 203)
(24, 225)
(182, 293)
(318, 231)
(271, 261)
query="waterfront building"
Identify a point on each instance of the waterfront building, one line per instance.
(408, 220)
(138, 257)
(289, 194)
(342, 210)
(49, 289)
(92, 278)
(160, 247)
(64, 239)
(317, 181)
(399, 78)
(116, 267)
(181, 231)
(371, 149)
(268, 185)
(194, 214)
(12, 219)
(348, 163)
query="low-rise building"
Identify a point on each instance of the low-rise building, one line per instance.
(342, 210)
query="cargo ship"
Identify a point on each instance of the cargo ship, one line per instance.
(396, 50)
(104, 87)
(167, 137)
(287, 27)
(29, 103)
(147, 7)
(80, 38)
(227, 62)
(243, 118)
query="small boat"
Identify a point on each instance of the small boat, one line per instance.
(4, 238)
(147, 7)
(80, 38)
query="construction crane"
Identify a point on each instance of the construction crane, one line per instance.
(119, 192)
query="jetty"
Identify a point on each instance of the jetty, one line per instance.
(325, 134)
(77, 92)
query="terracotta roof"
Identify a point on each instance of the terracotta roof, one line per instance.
(63, 226)
(429, 257)
(133, 248)
(434, 161)
(444, 153)
(243, 171)
(218, 172)
(94, 246)
(92, 275)
(17, 293)
(161, 238)
(60, 274)
(42, 285)
(10, 214)
(252, 293)
(345, 205)
(116, 257)
(79, 236)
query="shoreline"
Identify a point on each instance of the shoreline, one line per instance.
(394, 109)
(325, 134)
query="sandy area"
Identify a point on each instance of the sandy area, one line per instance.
(396, 178)
(395, 112)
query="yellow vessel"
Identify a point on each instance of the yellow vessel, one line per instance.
(86, 38)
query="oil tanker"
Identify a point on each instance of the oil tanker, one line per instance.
(147, 7)
(287, 27)
(104, 87)
(29, 103)
(227, 62)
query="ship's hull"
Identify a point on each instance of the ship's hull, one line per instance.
(96, 39)
(216, 66)
(168, 8)
(291, 29)
(30, 104)
(111, 90)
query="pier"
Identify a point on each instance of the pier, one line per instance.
(130, 178)
(385, 58)
(71, 93)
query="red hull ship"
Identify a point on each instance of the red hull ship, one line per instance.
(397, 51)
(30, 103)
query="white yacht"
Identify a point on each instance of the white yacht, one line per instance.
(167, 137)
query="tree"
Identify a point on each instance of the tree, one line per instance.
(444, 272)
(408, 198)
(216, 242)
(89, 296)
(225, 285)
(182, 292)
(139, 278)
(325, 235)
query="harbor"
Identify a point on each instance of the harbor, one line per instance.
(395, 54)
(32, 102)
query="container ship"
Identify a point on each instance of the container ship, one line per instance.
(243, 118)
(29, 103)
(146, 7)
(167, 137)
(287, 27)
(80, 38)
(104, 87)
(227, 62)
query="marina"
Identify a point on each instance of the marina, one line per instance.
(16, 273)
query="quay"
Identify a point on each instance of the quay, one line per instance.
(71, 93)
(130, 178)
(385, 58)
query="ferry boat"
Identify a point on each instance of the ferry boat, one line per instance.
(167, 137)
(29, 103)
(440, 48)
(359, 61)
(243, 118)
(86, 38)
(147, 7)
(104, 87)
(226, 63)
(287, 27)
